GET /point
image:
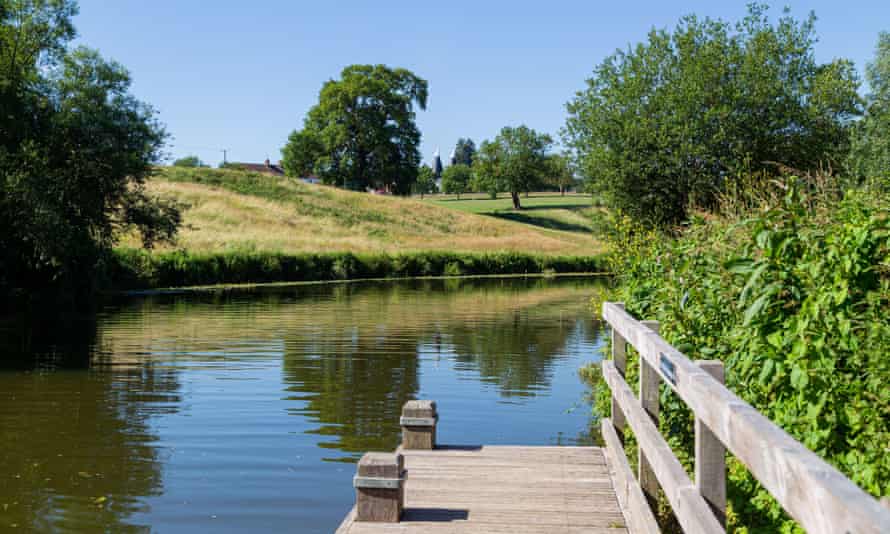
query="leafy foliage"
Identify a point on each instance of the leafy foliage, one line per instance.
(562, 172)
(794, 298)
(137, 269)
(361, 133)
(515, 161)
(75, 149)
(674, 119)
(870, 154)
(456, 179)
(189, 161)
(464, 152)
(426, 181)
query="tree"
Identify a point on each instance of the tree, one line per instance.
(561, 175)
(75, 149)
(870, 152)
(673, 119)
(515, 161)
(362, 132)
(189, 161)
(464, 152)
(456, 179)
(426, 181)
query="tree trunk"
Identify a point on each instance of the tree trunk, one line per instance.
(515, 197)
(562, 190)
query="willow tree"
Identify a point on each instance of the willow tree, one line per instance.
(670, 120)
(362, 133)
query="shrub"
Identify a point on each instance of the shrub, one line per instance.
(794, 298)
(139, 269)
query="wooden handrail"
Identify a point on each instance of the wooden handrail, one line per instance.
(818, 496)
(689, 506)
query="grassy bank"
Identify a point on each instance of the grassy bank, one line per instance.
(138, 269)
(791, 290)
(547, 211)
(233, 211)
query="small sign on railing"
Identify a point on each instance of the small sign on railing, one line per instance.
(667, 368)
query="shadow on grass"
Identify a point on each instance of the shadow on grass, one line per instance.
(550, 224)
(570, 207)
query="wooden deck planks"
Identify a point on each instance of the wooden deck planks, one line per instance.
(504, 489)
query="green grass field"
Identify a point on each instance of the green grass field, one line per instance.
(227, 210)
(550, 211)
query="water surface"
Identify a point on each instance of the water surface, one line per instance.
(245, 412)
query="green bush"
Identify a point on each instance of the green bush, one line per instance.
(138, 269)
(795, 299)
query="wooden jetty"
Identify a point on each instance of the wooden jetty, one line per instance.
(423, 487)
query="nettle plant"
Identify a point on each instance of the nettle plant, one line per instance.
(795, 299)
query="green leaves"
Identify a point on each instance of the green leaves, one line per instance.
(515, 161)
(362, 133)
(795, 301)
(677, 118)
(75, 150)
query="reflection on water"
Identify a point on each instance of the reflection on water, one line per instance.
(241, 412)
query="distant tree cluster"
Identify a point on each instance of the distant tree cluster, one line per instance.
(674, 119)
(362, 133)
(75, 149)
(189, 161)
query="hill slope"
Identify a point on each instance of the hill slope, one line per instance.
(231, 210)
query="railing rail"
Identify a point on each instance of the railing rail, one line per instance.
(818, 496)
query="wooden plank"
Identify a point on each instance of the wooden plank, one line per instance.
(504, 489)
(691, 509)
(814, 493)
(638, 515)
(650, 398)
(619, 357)
(710, 455)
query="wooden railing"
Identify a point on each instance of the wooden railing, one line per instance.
(815, 494)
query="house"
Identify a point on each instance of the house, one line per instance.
(266, 167)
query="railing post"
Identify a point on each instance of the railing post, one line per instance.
(379, 487)
(419, 419)
(710, 455)
(649, 399)
(619, 358)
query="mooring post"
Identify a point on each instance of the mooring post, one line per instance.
(419, 418)
(379, 487)
(710, 455)
(649, 399)
(619, 358)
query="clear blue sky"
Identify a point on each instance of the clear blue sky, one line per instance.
(242, 75)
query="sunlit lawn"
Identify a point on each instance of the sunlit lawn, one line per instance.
(572, 213)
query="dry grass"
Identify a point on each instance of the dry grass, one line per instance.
(313, 218)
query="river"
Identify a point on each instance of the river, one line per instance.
(244, 411)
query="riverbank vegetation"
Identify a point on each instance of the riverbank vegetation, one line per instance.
(241, 227)
(75, 150)
(752, 228)
(789, 285)
(140, 269)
